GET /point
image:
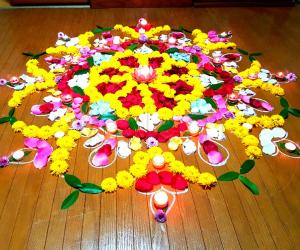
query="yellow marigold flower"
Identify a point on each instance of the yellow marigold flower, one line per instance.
(231, 124)
(266, 122)
(136, 110)
(191, 173)
(66, 142)
(18, 126)
(250, 140)
(74, 134)
(141, 158)
(253, 120)
(122, 112)
(59, 167)
(241, 132)
(154, 151)
(207, 179)
(253, 152)
(60, 154)
(124, 179)
(138, 170)
(135, 143)
(60, 126)
(30, 131)
(45, 132)
(278, 120)
(169, 157)
(109, 184)
(176, 167)
(165, 113)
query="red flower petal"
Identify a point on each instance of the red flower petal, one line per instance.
(165, 177)
(209, 146)
(178, 182)
(142, 185)
(153, 178)
(122, 124)
(128, 133)
(106, 149)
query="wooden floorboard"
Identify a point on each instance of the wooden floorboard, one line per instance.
(227, 217)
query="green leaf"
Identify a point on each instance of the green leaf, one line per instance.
(215, 86)
(229, 176)
(209, 73)
(38, 55)
(295, 112)
(195, 59)
(26, 153)
(101, 30)
(284, 113)
(90, 188)
(84, 107)
(153, 47)
(81, 72)
(108, 116)
(108, 52)
(12, 120)
(166, 125)
(90, 61)
(132, 123)
(249, 184)
(70, 200)
(256, 54)
(247, 166)
(243, 52)
(281, 145)
(4, 119)
(11, 112)
(132, 46)
(78, 90)
(12, 159)
(172, 50)
(284, 103)
(211, 102)
(27, 54)
(251, 58)
(72, 181)
(196, 116)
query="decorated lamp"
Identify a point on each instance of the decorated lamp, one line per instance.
(193, 128)
(144, 74)
(280, 76)
(158, 161)
(18, 155)
(290, 146)
(161, 199)
(111, 127)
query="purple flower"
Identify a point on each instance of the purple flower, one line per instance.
(4, 161)
(160, 216)
(143, 38)
(291, 77)
(151, 142)
(3, 82)
(85, 51)
(78, 125)
(238, 78)
(58, 78)
(229, 115)
(60, 35)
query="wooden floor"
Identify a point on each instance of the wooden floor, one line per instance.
(227, 217)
